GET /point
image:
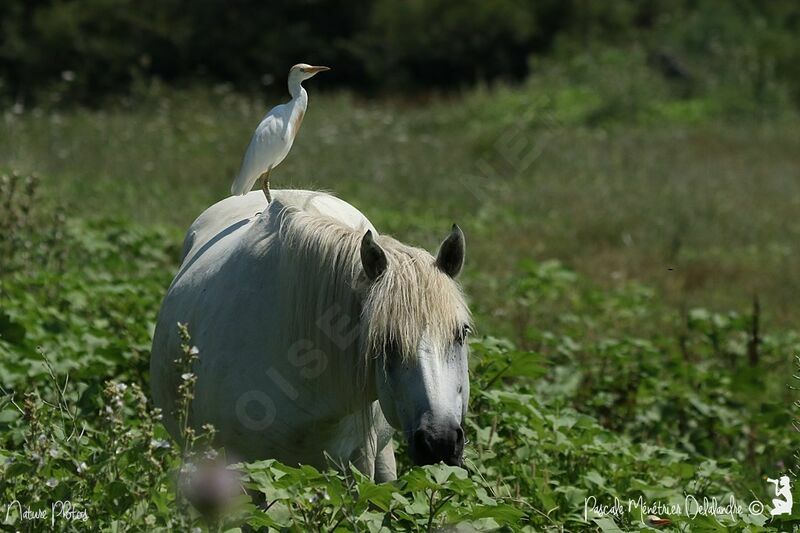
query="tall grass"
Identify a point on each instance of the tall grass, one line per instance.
(703, 208)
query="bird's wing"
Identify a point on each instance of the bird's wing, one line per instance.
(263, 153)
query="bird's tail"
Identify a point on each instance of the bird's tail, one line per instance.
(239, 186)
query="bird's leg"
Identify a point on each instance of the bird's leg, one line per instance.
(265, 185)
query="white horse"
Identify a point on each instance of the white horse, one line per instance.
(317, 335)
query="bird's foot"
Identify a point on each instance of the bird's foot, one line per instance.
(265, 188)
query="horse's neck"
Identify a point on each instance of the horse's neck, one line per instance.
(328, 350)
(320, 287)
(350, 371)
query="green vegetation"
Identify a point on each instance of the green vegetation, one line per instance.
(619, 398)
(618, 232)
(618, 180)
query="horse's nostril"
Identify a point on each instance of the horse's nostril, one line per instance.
(459, 438)
(421, 439)
(431, 446)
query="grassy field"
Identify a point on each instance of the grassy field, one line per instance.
(614, 253)
(705, 212)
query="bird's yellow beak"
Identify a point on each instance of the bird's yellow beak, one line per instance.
(314, 70)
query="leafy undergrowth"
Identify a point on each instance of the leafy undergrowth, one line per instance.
(612, 397)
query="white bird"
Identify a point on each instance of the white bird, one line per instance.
(275, 134)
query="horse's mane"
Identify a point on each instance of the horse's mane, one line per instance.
(411, 298)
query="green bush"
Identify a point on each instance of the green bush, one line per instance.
(83, 50)
(613, 396)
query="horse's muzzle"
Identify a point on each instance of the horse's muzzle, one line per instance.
(431, 444)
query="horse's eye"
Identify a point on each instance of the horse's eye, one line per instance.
(462, 333)
(391, 348)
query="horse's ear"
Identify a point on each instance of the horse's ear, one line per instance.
(450, 258)
(373, 258)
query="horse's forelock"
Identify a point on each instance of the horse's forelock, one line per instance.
(412, 298)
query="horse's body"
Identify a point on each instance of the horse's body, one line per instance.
(275, 302)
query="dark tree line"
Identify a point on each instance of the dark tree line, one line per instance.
(98, 47)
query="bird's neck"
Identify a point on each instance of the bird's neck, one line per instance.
(296, 89)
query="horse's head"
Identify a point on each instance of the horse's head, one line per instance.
(416, 325)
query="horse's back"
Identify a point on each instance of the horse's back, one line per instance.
(236, 212)
(227, 289)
